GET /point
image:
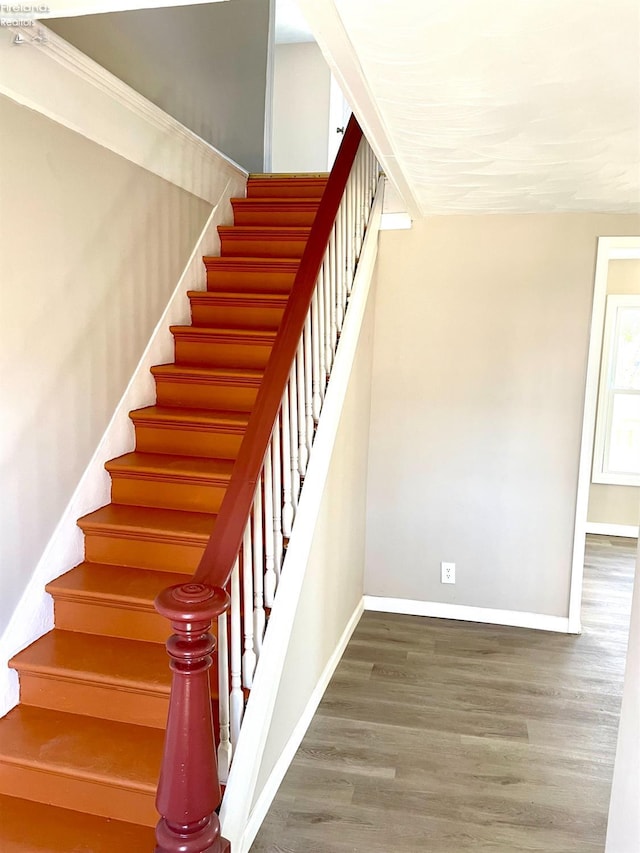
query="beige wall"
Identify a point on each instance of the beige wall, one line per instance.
(91, 249)
(206, 65)
(482, 329)
(617, 504)
(301, 94)
(333, 583)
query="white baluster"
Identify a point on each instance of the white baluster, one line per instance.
(293, 429)
(321, 335)
(276, 468)
(340, 255)
(259, 616)
(308, 383)
(346, 285)
(287, 498)
(349, 228)
(327, 274)
(303, 452)
(270, 577)
(237, 696)
(316, 396)
(332, 298)
(224, 747)
(249, 658)
(359, 182)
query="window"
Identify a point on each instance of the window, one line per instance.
(616, 455)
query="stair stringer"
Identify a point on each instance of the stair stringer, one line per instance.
(33, 616)
(249, 792)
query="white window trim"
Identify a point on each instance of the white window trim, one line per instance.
(605, 397)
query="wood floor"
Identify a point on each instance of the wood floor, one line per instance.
(447, 737)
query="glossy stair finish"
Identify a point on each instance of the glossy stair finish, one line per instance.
(286, 186)
(222, 347)
(218, 388)
(169, 481)
(237, 310)
(266, 211)
(80, 756)
(266, 241)
(76, 762)
(126, 681)
(146, 538)
(28, 827)
(269, 275)
(111, 601)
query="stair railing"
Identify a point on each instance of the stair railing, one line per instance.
(238, 575)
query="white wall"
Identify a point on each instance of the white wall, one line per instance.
(482, 330)
(92, 246)
(301, 94)
(206, 65)
(623, 830)
(617, 504)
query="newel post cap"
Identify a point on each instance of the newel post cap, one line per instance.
(192, 602)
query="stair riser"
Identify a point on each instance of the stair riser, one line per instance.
(194, 395)
(170, 494)
(106, 620)
(232, 246)
(83, 795)
(159, 555)
(224, 354)
(246, 216)
(236, 316)
(93, 700)
(285, 188)
(187, 442)
(255, 281)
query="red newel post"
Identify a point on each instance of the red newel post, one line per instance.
(189, 789)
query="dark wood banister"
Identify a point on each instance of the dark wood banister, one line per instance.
(223, 546)
(189, 788)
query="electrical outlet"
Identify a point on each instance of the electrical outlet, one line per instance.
(447, 572)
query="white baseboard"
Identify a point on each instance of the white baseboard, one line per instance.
(601, 529)
(274, 781)
(465, 613)
(33, 615)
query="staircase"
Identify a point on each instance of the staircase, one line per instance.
(80, 756)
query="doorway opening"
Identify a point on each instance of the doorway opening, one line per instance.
(610, 249)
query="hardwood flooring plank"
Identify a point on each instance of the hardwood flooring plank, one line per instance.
(453, 737)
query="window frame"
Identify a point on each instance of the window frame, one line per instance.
(607, 393)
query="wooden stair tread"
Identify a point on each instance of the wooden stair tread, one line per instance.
(131, 664)
(241, 297)
(149, 520)
(285, 185)
(166, 465)
(267, 232)
(229, 375)
(113, 584)
(242, 262)
(259, 336)
(30, 827)
(114, 754)
(269, 201)
(183, 415)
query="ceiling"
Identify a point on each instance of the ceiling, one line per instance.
(505, 106)
(291, 25)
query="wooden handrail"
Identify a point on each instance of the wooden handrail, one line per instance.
(222, 549)
(189, 789)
